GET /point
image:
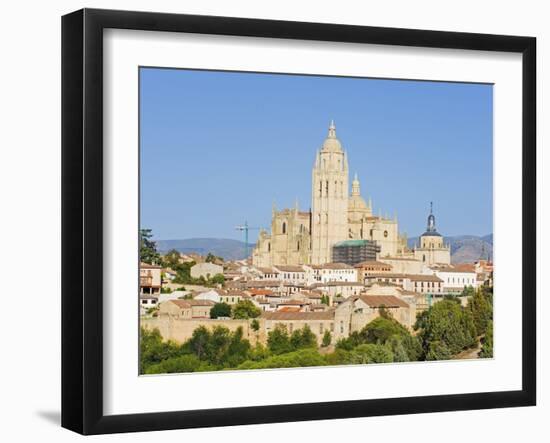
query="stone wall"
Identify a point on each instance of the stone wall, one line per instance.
(180, 330)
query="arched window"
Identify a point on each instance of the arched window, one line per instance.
(284, 227)
(298, 246)
(320, 188)
(269, 247)
(424, 257)
(326, 188)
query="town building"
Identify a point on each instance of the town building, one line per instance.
(423, 283)
(186, 309)
(291, 274)
(339, 288)
(371, 267)
(150, 279)
(455, 279)
(146, 303)
(331, 272)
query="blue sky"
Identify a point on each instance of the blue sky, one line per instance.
(218, 148)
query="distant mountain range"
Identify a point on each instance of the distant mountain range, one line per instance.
(464, 248)
(226, 248)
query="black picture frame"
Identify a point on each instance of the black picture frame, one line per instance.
(82, 218)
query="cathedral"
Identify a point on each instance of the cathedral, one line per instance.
(307, 237)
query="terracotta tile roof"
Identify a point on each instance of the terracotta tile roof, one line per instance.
(293, 302)
(280, 315)
(412, 277)
(254, 291)
(465, 267)
(262, 301)
(289, 309)
(332, 266)
(186, 304)
(148, 266)
(373, 263)
(389, 301)
(399, 258)
(263, 283)
(268, 270)
(290, 268)
(336, 283)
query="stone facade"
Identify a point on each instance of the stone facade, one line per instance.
(299, 237)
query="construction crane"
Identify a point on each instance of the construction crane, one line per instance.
(245, 228)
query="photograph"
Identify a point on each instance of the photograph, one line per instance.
(297, 220)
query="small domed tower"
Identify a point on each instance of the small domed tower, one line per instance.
(431, 238)
(432, 250)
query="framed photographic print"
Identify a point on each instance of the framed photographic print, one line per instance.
(269, 221)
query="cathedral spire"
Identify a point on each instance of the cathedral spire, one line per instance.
(431, 220)
(332, 130)
(355, 186)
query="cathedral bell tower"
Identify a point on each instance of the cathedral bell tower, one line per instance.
(329, 198)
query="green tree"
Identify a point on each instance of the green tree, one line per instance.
(300, 358)
(445, 329)
(220, 310)
(278, 341)
(199, 342)
(148, 248)
(255, 325)
(303, 338)
(468, 291)
(171, 259)
(238, 350)
(487, 342)
(153, 350)
(438, 350)
(218, 279)
(245, 309)
(218, 345)
(184, 363)
(372, 353)
(482, 310)
(327, 338)
(385, 330)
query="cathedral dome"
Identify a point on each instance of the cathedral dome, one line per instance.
(356, 203)
(331, 143)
